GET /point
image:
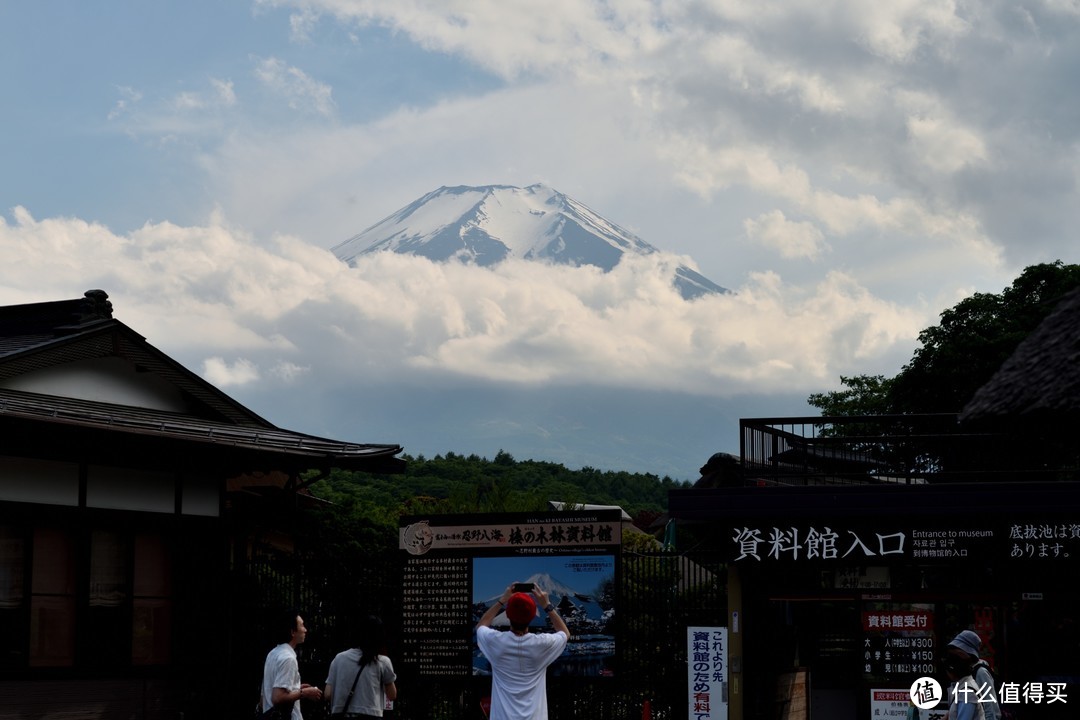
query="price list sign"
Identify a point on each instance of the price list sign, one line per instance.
(454, 567)
(898, 642)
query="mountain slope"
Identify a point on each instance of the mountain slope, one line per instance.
(486, 225)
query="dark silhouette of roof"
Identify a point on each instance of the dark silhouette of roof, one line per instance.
(1039, 385)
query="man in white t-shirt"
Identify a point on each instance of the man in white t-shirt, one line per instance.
(519, 659)
(281, 686)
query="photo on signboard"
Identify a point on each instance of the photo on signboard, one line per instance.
(582, 588)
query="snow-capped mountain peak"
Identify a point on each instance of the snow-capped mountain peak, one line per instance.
(486, 225)
(579, 606)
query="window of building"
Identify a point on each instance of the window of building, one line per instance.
(12, 596)
(52, 602)
(151, 630)
(72, 598)
(107, 630)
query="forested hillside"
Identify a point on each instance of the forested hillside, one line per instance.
(455, 483)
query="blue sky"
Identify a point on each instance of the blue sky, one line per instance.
(850, 169)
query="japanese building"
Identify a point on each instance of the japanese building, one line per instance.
(858, 547)
(131, 491)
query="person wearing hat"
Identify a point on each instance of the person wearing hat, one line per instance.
(964, 697)
(519, 659)
(965, 647)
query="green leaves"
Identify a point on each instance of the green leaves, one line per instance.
(960, 354)
(456, 483)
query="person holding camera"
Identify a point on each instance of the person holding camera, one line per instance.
(519, 659)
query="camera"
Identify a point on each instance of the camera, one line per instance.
(523, 587)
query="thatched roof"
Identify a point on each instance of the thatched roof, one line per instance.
(1040, 383)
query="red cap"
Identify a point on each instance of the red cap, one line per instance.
(520, 609)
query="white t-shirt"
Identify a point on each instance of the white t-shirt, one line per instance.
(519, 671)
(282, 671)
(369, 697)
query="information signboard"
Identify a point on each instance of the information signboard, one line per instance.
(707, 670)
(456, 566)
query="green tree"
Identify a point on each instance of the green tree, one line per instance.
(960, 354)
(864, 395)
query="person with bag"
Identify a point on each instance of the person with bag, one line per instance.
(360, 680)
(964, 703)
(281, 686)
(966, 645)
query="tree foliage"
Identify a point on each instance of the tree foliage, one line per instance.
(960, 354)
(454, 483)
(863, 395)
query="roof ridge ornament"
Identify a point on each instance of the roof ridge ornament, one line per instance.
(96, 305)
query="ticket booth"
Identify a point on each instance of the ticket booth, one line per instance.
(848, 595)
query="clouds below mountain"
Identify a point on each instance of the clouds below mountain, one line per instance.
(246, 309)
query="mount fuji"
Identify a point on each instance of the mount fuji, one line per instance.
(486, 225)
(581, 610)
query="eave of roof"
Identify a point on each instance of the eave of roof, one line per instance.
(126, 420)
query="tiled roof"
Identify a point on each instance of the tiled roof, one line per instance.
(1041, 380)
(51, 334)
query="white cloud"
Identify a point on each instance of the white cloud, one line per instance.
(300, 90)
(938, 140)
(563, 36)
(791, 239)
(897, 30)
(214, 293)
(288, 371)
(223, 374)
(301, 25)
(881, 127)
(128, 97)
(195, 114)
(223, 91)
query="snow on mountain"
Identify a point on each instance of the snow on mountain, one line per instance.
(485, 225)
(578, 606)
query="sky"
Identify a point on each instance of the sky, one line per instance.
(849, 169)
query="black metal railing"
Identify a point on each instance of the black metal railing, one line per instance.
(890, 449)
(662, 593)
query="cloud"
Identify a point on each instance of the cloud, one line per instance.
(691, 123)
(557, 36)
(849, 168)
(190, 116)
(300, 90)
(880, 128)
(212, 293)
(792, 239)
(128, 98)
(223, 374)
